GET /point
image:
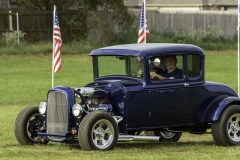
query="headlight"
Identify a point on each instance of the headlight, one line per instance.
(42, 107)
(77, 110)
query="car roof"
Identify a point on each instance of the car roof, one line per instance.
(145, 49)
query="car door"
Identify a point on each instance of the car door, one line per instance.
(168, 99)
(168, 106)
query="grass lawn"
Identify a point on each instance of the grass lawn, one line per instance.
(25, 81)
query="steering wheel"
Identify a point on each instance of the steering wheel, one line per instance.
(156, 78)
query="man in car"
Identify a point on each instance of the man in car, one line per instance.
(171, 72)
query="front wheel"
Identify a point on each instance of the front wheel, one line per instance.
(226, 131)
(165, 136)
(98, 131)
(27, 125)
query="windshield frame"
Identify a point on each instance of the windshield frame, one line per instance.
(129, 63)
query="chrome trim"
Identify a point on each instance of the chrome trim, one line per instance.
(57, 114)
(118, 119)
(137, 138)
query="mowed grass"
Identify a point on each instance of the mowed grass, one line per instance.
(25, 81)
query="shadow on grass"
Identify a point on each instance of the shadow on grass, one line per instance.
(149, 145)
(162, 144)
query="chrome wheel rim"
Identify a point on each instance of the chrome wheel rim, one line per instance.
(33, 125)
(102, 134)
(167, 134)
(233, 127)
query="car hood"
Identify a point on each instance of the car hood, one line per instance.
(114, 84)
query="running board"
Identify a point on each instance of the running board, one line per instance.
(138, 138)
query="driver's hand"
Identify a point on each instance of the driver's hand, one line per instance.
(153, 74)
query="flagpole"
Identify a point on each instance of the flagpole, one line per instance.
(145, 34)
(238, 46)
(54, 10)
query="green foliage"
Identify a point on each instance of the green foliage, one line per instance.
(99, 15)
(212, 34)
(78, 21)
(86, 46)
(75, 47)
(11, 38)
(180, 37)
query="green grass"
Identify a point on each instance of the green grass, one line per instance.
(25, 80)
(222, 66)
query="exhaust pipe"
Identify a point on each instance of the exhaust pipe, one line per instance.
(137, 138)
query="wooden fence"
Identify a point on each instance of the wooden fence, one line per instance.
(39, 26)
(165, 22)
(168, 21)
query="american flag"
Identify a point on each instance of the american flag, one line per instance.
(141, 35)
(57, 43)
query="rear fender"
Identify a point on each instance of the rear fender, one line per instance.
(215, 108)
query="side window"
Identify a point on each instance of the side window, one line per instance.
(170, 67)
(193, 66)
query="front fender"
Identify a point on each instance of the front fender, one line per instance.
(215, 108)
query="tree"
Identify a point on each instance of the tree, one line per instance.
(92, 14)
(101, 14)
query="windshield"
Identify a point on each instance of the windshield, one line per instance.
(120, 65)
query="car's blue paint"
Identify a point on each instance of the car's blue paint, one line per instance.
(214, 110)
(146, 104)
(143, 50)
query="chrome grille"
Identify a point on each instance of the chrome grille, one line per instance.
(57, 114)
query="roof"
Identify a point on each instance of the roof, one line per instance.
(141, 50)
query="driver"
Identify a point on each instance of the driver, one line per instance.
(171, 72)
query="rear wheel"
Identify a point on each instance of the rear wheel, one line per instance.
(27, 125)
(165, 136)
(226, 131)
(98, 131)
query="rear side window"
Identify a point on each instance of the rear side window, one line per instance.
(193, 66)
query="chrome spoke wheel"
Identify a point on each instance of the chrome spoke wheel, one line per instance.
(102, 133)
(167, 134)
(233, 127)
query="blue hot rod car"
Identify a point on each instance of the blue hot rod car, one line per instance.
(124, 102)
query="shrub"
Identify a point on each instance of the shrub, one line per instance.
(180, 37)
(212, 34)
(12, 38)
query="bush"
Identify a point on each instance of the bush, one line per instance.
(212, 34)
(12, 38)
(210, 39)
(180, 37)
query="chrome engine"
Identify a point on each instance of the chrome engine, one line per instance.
(93, 102)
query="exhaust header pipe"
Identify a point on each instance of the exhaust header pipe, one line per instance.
(137, 138)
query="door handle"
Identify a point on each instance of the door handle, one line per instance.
(168, 90)
(164, 91)
(186, 84)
